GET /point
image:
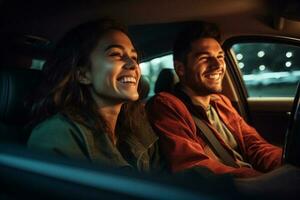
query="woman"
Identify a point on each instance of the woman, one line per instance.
(88, 107)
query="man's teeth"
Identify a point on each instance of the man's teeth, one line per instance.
(128, 79)
(214, 76)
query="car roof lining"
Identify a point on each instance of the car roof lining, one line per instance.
(153, 32)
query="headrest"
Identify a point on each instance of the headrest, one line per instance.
(16, 85)
(166, 80)
(143, 88)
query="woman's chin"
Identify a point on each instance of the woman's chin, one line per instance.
(131, 96)
(134, 97)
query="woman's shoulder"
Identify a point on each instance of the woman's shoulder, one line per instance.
(58, 134)
(55, 122)
(53, 129)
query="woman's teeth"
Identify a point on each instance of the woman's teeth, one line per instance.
(128, 79)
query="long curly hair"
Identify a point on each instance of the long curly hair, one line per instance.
(61, 92)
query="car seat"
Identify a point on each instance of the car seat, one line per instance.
(16, 85)
(143, 88)
(166, 80)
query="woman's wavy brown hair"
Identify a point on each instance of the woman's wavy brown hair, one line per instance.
(61, 92)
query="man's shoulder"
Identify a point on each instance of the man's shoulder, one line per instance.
(165, 109)
(164, 98)
(164, 95)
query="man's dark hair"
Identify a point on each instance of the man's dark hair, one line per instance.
(193, 31)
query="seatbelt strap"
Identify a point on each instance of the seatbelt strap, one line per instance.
(215, 143)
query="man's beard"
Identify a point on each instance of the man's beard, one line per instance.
(204, 90)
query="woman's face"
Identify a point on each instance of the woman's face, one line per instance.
(114, 73)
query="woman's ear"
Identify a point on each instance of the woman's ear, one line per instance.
(83, 76)
(179, 68)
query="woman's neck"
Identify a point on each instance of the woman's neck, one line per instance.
(109, 110)
(110, 114)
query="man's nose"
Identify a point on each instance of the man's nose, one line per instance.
(215, 62)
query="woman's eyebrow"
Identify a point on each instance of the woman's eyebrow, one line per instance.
(119, 47)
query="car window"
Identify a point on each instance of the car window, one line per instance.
(268, 69)
(150, 69)
(37, 64)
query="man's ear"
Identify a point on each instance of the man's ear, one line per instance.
(179, 68)
(83, 76)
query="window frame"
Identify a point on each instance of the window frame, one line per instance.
(230, 60)
(238, 90)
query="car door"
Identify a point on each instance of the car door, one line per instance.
(262, 76)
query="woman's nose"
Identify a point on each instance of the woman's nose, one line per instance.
(130, 63)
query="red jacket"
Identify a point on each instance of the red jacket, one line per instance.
(183, 147)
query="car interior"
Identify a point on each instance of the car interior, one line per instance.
(29, 31)
(16, 84)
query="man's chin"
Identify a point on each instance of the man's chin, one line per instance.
(208, 91)
(215, 91)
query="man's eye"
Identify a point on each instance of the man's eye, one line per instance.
(221, 57)
(203, 58)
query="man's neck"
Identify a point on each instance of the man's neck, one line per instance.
(201, 100)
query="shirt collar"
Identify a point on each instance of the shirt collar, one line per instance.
(196, 110)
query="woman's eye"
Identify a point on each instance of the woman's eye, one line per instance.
(115, 54)
(134, 58)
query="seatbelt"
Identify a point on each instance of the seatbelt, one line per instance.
(215, 143)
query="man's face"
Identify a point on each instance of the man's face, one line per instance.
(205, 67)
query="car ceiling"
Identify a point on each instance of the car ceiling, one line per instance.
(153, 23)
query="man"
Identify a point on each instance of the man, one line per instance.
(200, 66)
